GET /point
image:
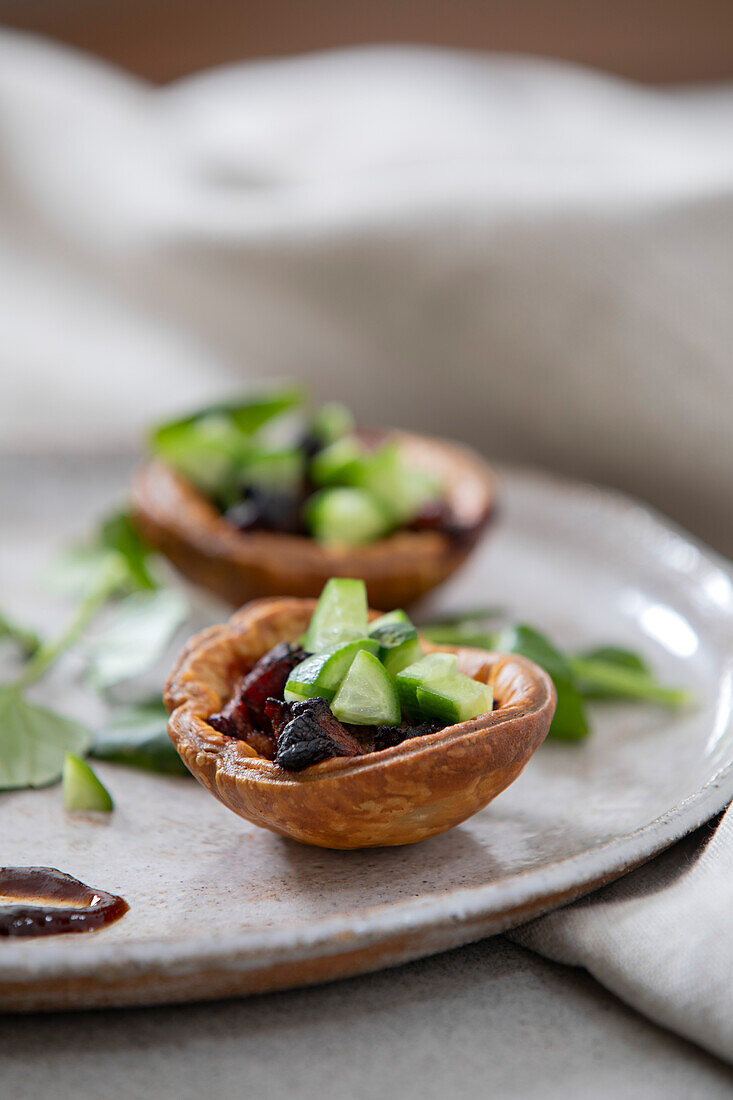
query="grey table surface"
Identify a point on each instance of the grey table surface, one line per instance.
(488, 1019)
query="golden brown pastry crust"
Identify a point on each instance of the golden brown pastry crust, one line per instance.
(239, 566)
(400, 795)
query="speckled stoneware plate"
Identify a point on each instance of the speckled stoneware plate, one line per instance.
(221, 908)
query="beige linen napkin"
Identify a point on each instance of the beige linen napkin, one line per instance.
(661, 938)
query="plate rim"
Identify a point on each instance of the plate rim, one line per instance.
(448, 919)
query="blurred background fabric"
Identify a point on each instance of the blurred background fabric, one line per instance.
(520, 253)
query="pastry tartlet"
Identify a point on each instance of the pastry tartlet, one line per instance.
(238, 566)
(399, 795)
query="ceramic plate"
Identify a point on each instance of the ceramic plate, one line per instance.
(220, 908)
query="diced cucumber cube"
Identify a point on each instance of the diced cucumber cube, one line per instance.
(209, 452)
(294, 696)
(398, 616)
(400, 488)
(368, 695)
(337, 463)
(83, 792)
(332, 421)
(280, 471)
(321, 675)
(436, 666)
(340, 615)
(455, 699)
(398, 645)
(349, 517)
(402, 656)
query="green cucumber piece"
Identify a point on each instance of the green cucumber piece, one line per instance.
(294, 697)
(398, 616)
(455, 699)
(320, 676)
(209, 452)
(332, 421)
(337, 463)
(340, 615)
(398, 645)
(436, 666)
(83, 792)
(280, 471)
(402, 656)
(349, 517)
(368, 695)
(401, 489)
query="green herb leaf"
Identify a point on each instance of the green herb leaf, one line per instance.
(468, 618)
(139, 629)
(616, 655)
(606, 680)
(570, 722)
(26, 640)
(34, 742)
(137, 737)
(118, 532)
(209, 452)
(81, 570)
(248, 415)
(213, 446)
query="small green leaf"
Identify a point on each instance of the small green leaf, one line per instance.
(213, 446)
(118, 532)
(248, 414)
(138, 738)
(26, 640)
(570, 722)
(138, 630)
(84, 792)
(468, 618)
(605, 680)
(34, 742)
(81, 570)
(209, 452)
(616, 655)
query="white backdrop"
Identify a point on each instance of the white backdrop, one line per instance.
(527, 255)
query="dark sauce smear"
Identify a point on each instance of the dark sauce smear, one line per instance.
(34, 903)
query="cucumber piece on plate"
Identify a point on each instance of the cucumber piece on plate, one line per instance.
(368, 695)
(340, 615)
(332, 421)
(337, 463)
(398, 645)
(83, 792)
(455, 699)
(320, 676)
(349, 517)
(436, 666)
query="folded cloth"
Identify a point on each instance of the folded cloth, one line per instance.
(524, 254)
(659, 938)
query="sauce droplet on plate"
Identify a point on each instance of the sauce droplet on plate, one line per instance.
(41, 901)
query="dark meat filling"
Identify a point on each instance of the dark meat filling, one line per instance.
(296, 735)
(313, 734)
(386, 737)
(244, 716)
(308, 732)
